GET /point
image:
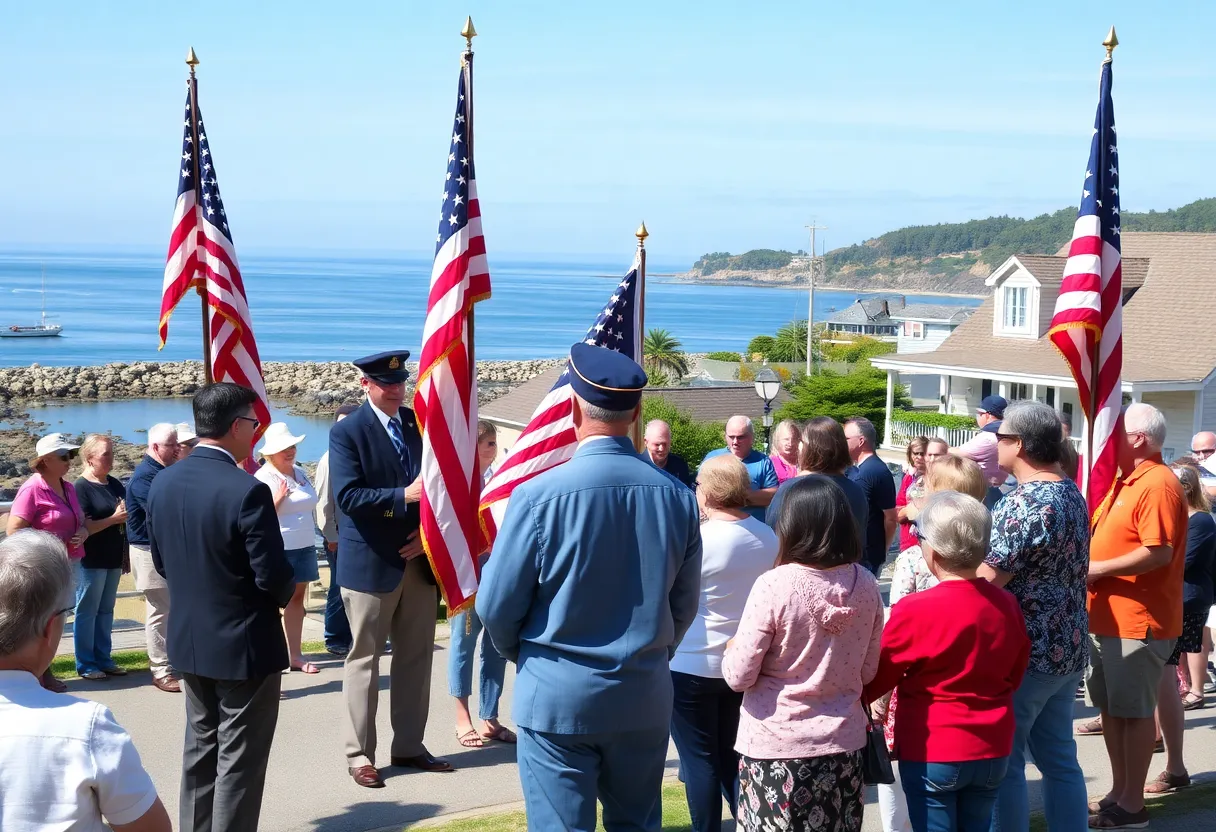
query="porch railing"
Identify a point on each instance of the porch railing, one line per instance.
(904, 432)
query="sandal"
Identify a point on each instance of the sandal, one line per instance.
(1193, 702)
(1159, 747)
(503, 734)
(1167, 782)
(470, 739)
(1097, 807)
(307, 668)
(1090, 729)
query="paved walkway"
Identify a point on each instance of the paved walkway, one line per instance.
(308, 788)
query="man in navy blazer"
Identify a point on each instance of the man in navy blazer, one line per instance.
(594, 579)
(388, 589)
(214, 536)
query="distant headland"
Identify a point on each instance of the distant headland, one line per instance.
(949, 258)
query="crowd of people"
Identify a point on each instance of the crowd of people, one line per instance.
(737, 613)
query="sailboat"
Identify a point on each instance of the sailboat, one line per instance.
(41, 330)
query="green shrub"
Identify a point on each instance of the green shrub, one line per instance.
(723, 355)
(761, 345)
(691, 440)
(842, 396)
(934, 420)
(857, 349)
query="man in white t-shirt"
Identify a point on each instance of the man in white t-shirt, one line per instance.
(65, 763)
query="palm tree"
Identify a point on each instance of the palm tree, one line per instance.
(663, 353)
(790, 344)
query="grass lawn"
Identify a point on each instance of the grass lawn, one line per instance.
(64, 667)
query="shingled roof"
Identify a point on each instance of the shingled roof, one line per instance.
(933, 312)
(868, 311)
(1174, 278)
(703, 404)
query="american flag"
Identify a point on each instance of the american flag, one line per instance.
(549, 438)
(445, 398)
(202, 256)
(1087, 326)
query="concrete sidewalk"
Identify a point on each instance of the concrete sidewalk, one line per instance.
(308, 788)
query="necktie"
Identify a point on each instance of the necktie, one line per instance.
(398, 439)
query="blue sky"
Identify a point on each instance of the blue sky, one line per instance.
(725, 125)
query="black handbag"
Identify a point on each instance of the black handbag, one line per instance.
(876, 767)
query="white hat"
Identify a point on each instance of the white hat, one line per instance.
(51, 443)
(185, 433)
(278, 438)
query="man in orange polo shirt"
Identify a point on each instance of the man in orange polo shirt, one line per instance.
(1137, 555)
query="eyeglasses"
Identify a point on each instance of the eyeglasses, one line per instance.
(1000, 436)
(65, 455)
(249, 419)
(1203, 451)
(65, 611)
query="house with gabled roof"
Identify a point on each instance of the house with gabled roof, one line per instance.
(1169, 352)
(866, 316)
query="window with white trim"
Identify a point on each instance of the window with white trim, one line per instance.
(914, 329)
(1015, 303)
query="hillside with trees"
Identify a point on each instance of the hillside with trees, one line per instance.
(944, 257)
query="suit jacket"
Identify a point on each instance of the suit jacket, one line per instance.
(676, 466)
(594, 579)
(214, 536)
(368, 483)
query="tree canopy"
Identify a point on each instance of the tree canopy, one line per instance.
(690, 439)
(842, 396)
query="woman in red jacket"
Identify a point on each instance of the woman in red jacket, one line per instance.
(957, 653)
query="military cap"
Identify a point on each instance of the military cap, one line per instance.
(385, 367)
(605, 378)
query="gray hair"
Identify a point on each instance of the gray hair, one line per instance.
(744, 421)
(866, 428)
(956, 526)
(602, 414)
(1039, 429)
(159, 433)
(35, 585)
(1146, 419)
(656, 423)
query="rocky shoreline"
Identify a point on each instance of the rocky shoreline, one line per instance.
(965, 285)
(305, 387)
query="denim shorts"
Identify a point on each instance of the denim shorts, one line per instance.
(304, 564)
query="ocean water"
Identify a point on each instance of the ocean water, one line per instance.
(337, 309)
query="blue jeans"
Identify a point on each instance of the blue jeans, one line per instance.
(93, 627)
(337, 627)
(704, 722)
(1043, 707)
(952, 797)
(466, 626)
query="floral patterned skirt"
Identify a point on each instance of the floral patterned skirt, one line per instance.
(816, 794)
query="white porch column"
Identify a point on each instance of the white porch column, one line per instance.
(1034, 392)
(1002, 390)
(1059, 405)
(886, 425)
(1137, 396)
(943, 394)
(1197, 418)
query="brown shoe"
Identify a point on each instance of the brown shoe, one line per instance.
(167, 683)
(423, 761)
(366, 776)
(52, 684)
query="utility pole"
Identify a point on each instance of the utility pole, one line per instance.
(810, 310)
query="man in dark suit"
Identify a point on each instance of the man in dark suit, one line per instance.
(214, 536)
(658, 452)
(388, 589)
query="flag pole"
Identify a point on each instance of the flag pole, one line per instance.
(1110, 43)
(466, 61)
(192, 62)
(641, 234)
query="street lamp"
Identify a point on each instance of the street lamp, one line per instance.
(768, 385)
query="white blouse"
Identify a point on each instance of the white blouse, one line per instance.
(296, 512)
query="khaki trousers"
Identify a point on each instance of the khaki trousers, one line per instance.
(156, 613)
(407, 614)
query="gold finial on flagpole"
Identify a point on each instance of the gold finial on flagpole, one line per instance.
(642, 234)
(1110, 43)
(468, 33)
(191, 59)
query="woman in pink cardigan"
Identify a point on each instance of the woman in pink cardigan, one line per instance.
(807, 644)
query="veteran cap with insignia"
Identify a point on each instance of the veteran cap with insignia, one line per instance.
(385, 367)
(605, 378)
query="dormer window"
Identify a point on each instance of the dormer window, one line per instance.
(1016, 300)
